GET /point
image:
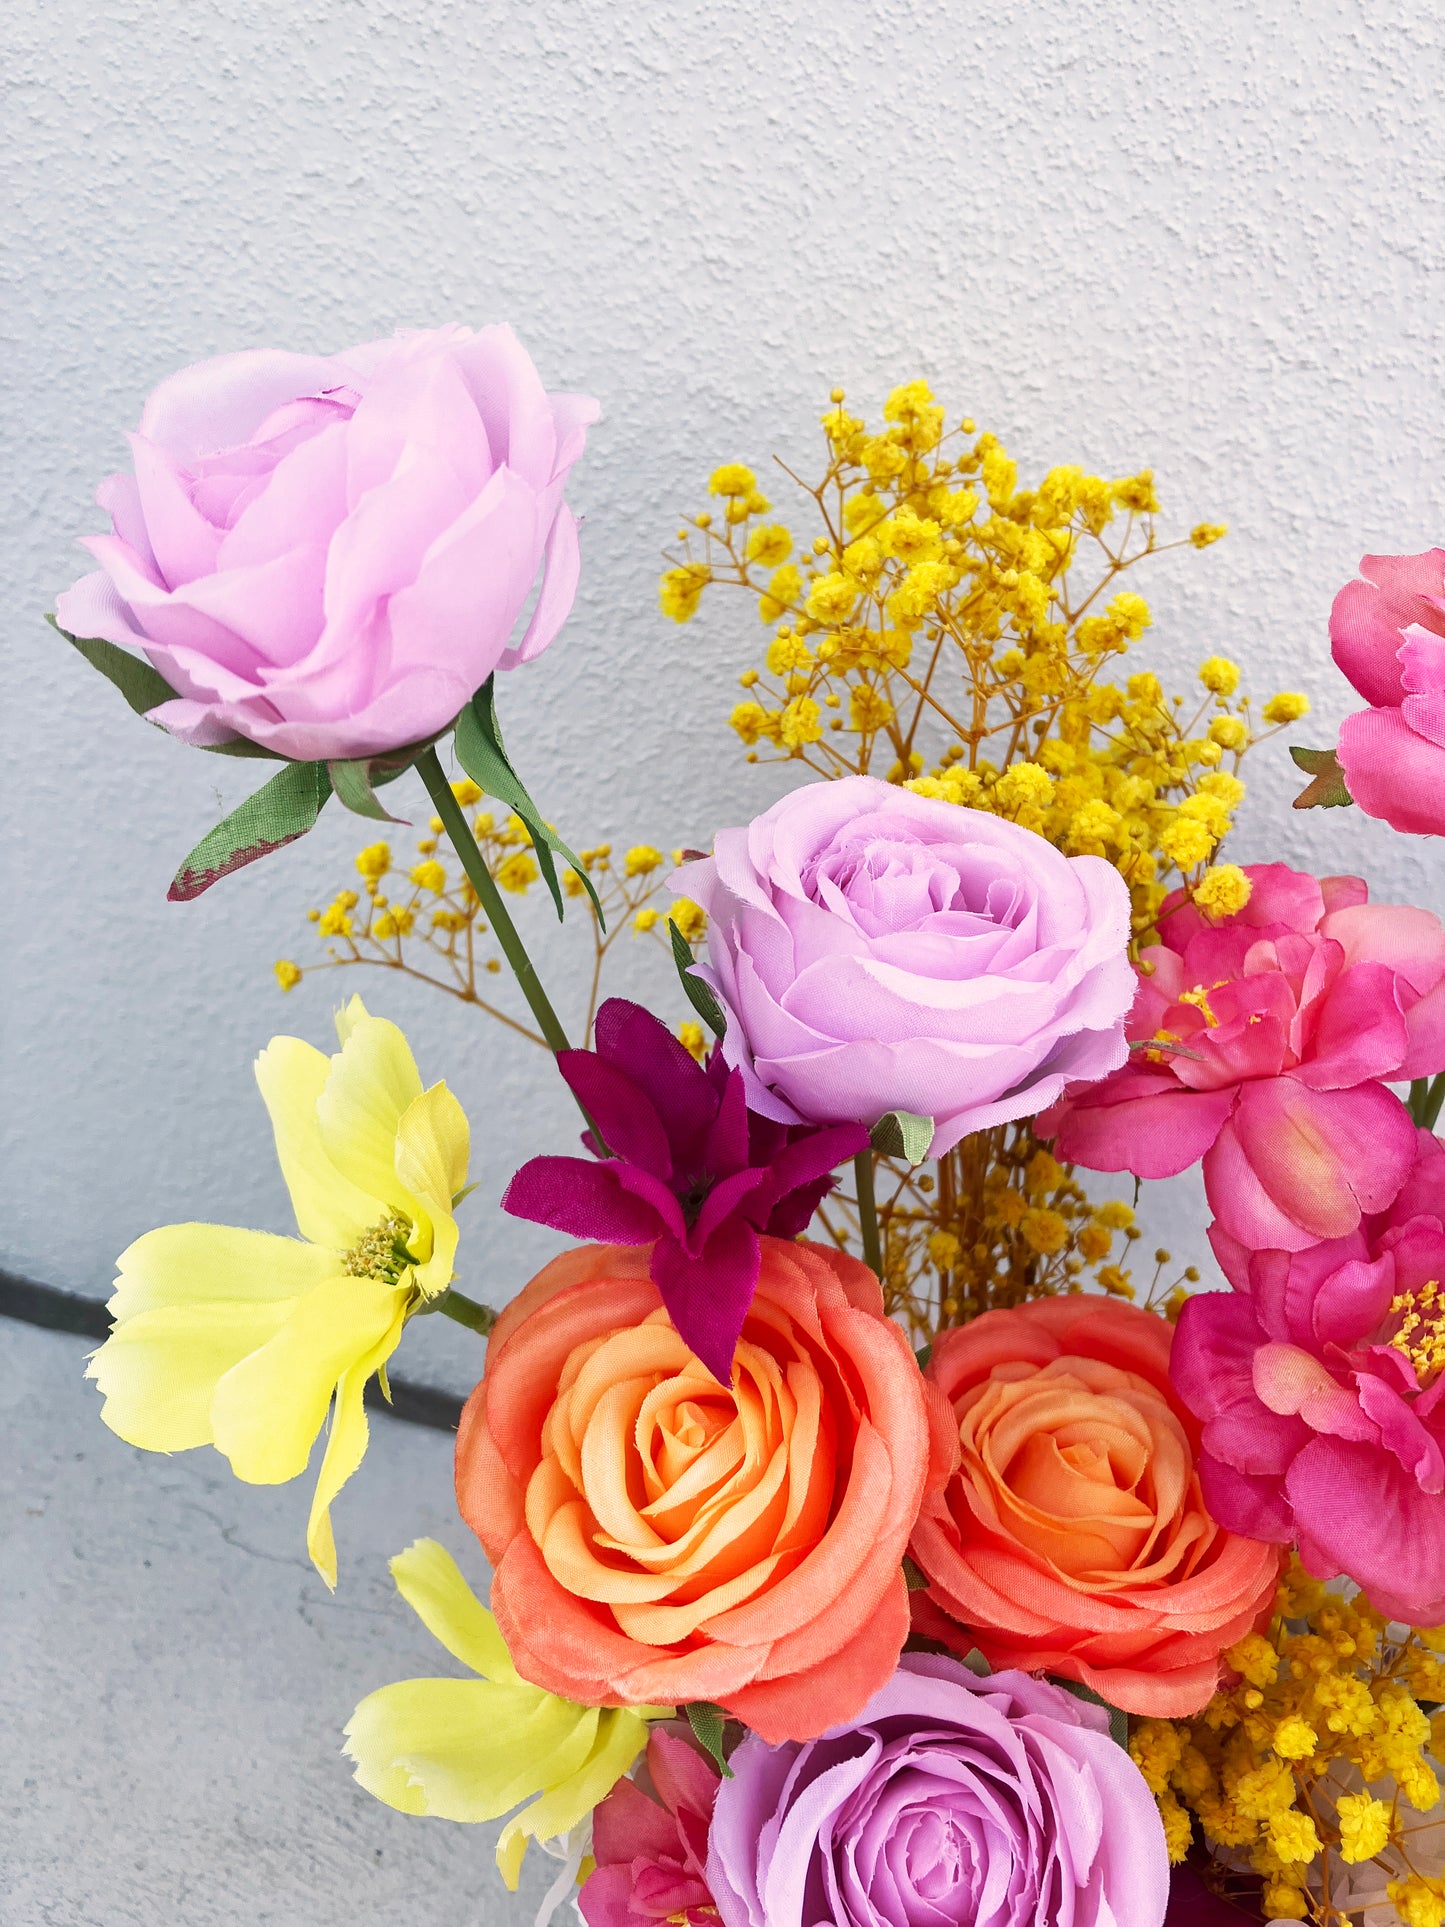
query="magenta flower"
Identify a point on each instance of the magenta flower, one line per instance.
(692, 1172)
(1387, 632)
(328, 553)
(1291, 1016)
(1320, 1381)
(1002, 1802)
(652, 1858)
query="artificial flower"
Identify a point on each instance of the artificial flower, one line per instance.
(1073, 1539)
(472, 1749)
(1290, 1016)
(328, 554)
(651, 1853)
(242, 1340)
(999, 1801)
(1320, 1381)
(1387, 632)
(693, 1173)
(881, 951)
(656, 1536)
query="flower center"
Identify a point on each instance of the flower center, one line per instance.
(381, 1252)
(1420, 1335)
(1199, 997)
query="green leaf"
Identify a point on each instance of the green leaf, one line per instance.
(914, 1577)
(902, 1134)
(352, 783)
(974, 1660)
(277, 813)
(707, 1722)
(145, 688)
(1329, 790)
(1118, 1721)
(698, 994)
(482, 756)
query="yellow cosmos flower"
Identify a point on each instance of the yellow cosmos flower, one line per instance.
(472, 1749)
(242, 1340)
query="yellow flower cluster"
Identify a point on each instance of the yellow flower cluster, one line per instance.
(951, 630)
(423, 919)
(996, 1221)
(1314, 1761)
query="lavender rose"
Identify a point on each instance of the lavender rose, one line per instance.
(327, 554)
(880, 951)
(994, 1801)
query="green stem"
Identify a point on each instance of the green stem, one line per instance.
(466, 1311)
(868, 1212)
(490, 898)
(1415, 1102)
(1430, 1107)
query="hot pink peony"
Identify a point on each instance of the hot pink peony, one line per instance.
(1320, 1381)
(1387, 631)
(1290, 1013)
(328, 554)
(881, 951)
(651, 1854)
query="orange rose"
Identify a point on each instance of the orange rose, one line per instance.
(657, 1538)
(1073, 1538)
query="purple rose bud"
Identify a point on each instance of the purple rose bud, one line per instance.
(880, 951)
(1002, 1802)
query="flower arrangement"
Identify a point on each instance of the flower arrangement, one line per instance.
(872, 1540)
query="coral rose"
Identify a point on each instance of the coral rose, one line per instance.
(1387, 632)
(327, 554)
(1074, 1538)
(1320, 1380)
(1291, 1016)
(659, 1538)
(880, 951)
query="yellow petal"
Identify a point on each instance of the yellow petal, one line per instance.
(345, 1449)
(430, 1581)
(621, 1736)
(330, 1210)
(464, 1749)
(349, 1016)
(158, 1371)
(433, 1142)
(203, 1264)
(372, 1080)
(268, 1408)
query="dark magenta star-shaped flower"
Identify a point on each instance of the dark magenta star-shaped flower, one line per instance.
(692, 1172)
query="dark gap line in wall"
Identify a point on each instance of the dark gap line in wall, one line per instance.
(70, 1311)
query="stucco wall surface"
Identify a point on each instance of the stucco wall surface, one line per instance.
(1206, 238)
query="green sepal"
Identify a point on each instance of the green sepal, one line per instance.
(277, 813)
(974, 1660)
(144, 687)
(482, 756)
(914, 1576)
(352, 782)
(902, 1134)
(698, 994)
(1118, 1720)
(707, 1722)
(1328, 790)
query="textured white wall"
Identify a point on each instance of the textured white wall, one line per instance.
(1206, 238)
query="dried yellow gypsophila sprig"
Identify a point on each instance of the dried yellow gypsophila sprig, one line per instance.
(1313, 1761)
(423, 918)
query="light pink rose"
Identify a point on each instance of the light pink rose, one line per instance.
(1387, 632)
(328, 554)
(880, 951)
(1293, 1015)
